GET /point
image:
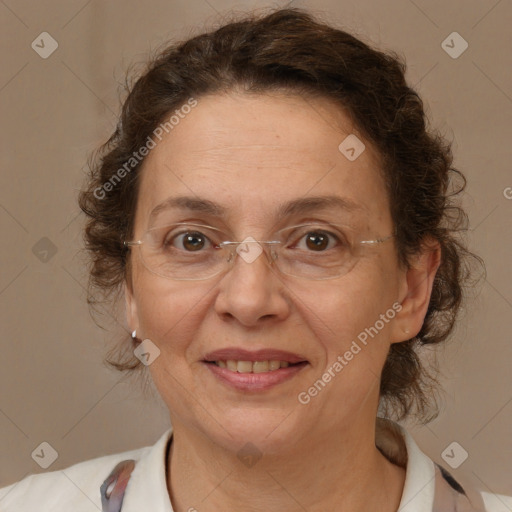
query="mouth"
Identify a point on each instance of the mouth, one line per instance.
(241, 366)
(253, 361)
(254, 370)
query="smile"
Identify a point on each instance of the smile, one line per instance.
(252, 366)
(253, 376)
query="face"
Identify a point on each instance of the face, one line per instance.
(251, 155)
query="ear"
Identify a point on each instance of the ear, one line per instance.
(415, 291)
(131, 307)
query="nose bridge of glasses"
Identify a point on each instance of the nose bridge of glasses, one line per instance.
(249, 250)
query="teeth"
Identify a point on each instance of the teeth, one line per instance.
(252, 367)
(244, 367)
(274, 365)
(260, 366)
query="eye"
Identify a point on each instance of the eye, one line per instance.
(316, 240)
(190, 241)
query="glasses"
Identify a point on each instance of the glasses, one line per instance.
(192, 252)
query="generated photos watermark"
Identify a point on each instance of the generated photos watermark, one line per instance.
(143, 151)
(304, 397)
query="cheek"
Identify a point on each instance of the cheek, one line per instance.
(169, 314)
(349, 310)
(345, 320)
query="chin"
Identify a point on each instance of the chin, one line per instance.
(268, 431)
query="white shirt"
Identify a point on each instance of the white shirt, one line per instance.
(77, 488)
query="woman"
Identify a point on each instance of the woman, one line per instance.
(278, 218)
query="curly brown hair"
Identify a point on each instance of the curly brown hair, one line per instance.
(288, 50)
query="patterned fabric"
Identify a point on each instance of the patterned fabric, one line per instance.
(450, 496)
(113, 488)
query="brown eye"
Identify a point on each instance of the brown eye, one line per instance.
(193, 241)
(317, 241)
(188, 241)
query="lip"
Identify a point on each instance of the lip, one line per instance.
(238, 354)
(254, 381)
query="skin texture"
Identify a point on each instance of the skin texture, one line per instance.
(250, 154)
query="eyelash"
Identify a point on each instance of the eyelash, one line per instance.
(167, 243)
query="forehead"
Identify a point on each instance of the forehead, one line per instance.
(255, 155)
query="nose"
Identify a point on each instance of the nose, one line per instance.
(252, 292)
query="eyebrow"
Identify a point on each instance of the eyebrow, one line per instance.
(294, 207)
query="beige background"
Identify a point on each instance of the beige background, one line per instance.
(56, 110)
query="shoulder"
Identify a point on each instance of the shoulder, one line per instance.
(76, 487)
(429, 487)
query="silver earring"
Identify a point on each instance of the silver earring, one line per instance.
(134, 334)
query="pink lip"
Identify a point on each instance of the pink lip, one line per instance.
(254, 381)
(238, 354)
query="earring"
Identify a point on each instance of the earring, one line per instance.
(134, 334)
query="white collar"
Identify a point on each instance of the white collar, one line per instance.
(147, 489)
(419, 487)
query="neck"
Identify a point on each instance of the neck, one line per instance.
(326, 473)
